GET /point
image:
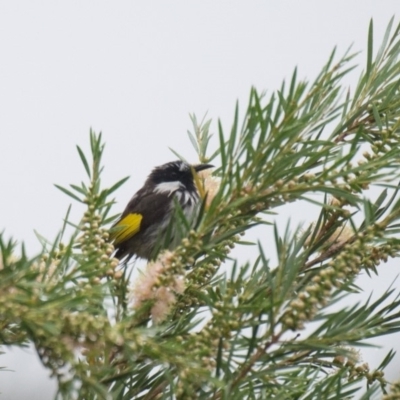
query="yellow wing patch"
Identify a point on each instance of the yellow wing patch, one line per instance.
(126, 228)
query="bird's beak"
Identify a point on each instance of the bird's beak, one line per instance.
(202, 167)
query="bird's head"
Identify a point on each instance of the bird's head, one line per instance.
(175, 175)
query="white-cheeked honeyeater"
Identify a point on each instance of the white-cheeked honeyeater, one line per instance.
(147, 217)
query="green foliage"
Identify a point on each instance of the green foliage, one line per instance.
(209, 334)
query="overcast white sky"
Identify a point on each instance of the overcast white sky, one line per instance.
(135, 70)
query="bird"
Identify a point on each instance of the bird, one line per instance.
(147, 222)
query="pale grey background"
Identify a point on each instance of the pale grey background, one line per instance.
(134, 70)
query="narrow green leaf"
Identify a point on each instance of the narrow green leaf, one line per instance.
(84, 161)
(193, 141)
(370, 49)
(377, 117)
(68, 193)
(292, 85)
(222, 147)
(177, 154)
(234, 131)
(79, 189)
(383, 46)
(114, 187)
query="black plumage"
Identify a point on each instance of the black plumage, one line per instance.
(146, 219)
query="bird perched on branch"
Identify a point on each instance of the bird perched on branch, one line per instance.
(147, 219)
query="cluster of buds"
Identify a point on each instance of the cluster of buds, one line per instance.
(357, 371)
(202, 365)
(389, 138)
(336, 272)
(47, 267)
(10, 288)
(286, 191)
(81, 332)
(394, 392)
(206, 268)
(44, 268)
(374, 255)
(279, 193)
(11, 259)
(352, 257)
(95, 245)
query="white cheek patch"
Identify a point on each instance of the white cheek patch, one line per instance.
(168, 187)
